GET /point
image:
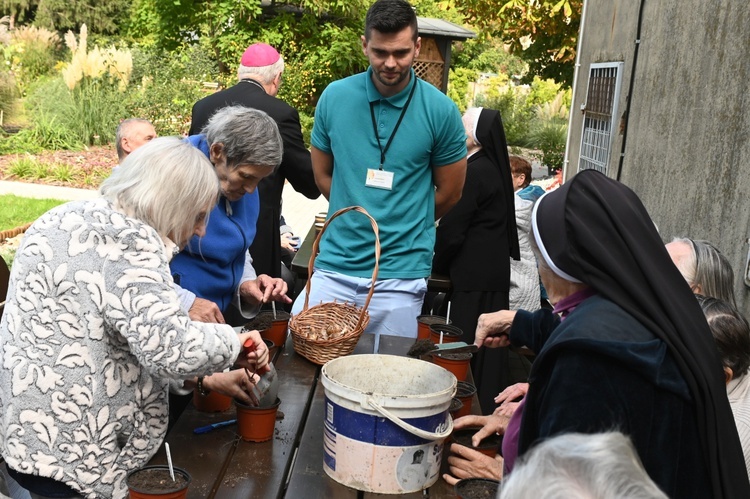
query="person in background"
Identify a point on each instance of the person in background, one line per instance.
(93, 336)
(601, 466)
(132, 134)
(482, 220)
(395, 145)
(289, 246)
(215, 273)
(732, 335)
(704, 267)
(525, 290)
(260, 74)
(521, 170)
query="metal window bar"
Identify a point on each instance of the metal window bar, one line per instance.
(600, 107)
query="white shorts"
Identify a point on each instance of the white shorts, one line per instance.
(394, 307)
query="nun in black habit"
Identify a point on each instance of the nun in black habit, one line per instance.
(474, 244)
(637, 355)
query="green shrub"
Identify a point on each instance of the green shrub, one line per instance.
(515, 112)
(63, 173)
(41, 171)
(22, 167)
(21, 142)
(52, 133)
(164, 86)
(306, 122)
(458, 86)
(33, 54)
(7, 93)
(550, 138)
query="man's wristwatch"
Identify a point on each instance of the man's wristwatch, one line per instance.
(201, 389)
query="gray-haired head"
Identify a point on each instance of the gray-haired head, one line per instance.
(124, 130)
(248, 136)
(595, 466)
(167, 184)
(264, 74)
(705, 268)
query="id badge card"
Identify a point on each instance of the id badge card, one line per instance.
(380, 179)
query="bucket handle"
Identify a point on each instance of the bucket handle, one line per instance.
(410, 428)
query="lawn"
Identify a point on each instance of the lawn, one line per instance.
(16, 211)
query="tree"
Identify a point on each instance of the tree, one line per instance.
(542, 32)
(101, 16)
(318, 38)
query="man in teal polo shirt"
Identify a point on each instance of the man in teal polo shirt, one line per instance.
(395, 145)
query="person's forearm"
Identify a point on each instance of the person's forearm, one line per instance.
(444, 201)
(324, 184)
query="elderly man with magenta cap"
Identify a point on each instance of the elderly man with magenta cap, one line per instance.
(259, 76)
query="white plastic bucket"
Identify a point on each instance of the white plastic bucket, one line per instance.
(385, 422)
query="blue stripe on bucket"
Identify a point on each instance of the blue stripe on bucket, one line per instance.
(378, 430)
(329, 443)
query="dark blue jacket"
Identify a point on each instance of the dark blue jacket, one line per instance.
(602, 370)
(212, 266)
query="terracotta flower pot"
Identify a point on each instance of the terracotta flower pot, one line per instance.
(450, 333)
(154, 482)
(456, 363)
(476, 488)
(488, 446)
(279, 326)
(256, 424)
(425, 321)
(456, 406)
(270, 345)
(213, 402)
(465, 393)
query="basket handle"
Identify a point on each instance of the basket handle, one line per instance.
(314, 254)
(410, 428)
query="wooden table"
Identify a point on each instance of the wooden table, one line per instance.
(436, 282)
(222, 465)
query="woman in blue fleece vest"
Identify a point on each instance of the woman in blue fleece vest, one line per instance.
(214, 273)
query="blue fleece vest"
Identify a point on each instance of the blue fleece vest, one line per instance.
(212, 266)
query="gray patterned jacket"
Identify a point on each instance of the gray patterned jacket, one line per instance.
(91, 336)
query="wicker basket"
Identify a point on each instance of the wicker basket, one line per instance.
(333, 316)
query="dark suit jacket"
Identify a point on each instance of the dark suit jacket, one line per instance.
(295, 165)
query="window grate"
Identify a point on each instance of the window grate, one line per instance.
(599, 110)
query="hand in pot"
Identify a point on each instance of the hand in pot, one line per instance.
(489, 425)
(233, 384)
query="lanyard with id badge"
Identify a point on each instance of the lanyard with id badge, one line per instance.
(381, 179)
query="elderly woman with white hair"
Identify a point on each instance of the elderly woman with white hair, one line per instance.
(214, 273)
(599, 465)
(93, 335)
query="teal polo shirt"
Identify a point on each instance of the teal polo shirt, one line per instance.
(431, 134)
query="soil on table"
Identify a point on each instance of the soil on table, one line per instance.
(265, 319)
(157, 481)
(463, 437)
(421, 347)
(477, 489)
(430, 320)
(259, 323)
(465, 389)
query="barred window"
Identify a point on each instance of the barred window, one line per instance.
(599, 111)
